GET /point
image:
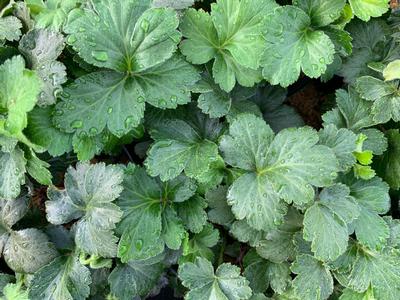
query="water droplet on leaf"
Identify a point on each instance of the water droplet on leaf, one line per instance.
(100, 55)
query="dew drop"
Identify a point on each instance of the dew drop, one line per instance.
(93, 131)
(110, 110)
(139, 245)
(100, 55)
(76, 124)
(129, 122)
(145, 25)
(59, 112)
(71, 39)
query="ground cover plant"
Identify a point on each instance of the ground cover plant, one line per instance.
(228, 149)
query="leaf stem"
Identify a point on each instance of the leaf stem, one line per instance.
(222, 251)
(7, 7)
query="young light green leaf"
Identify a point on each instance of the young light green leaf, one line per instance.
(313, 281)
(292, 46)
(365, 9)
(64, 278)
(332, 213)
(88, 195)
(226, 283)
(14, 100)
(277, 168)
(231, 35)
(15, 291)
(392, 70)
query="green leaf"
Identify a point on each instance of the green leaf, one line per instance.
(342, 142)
(117, 101)
(41, 48)
(394, 226)
(28, 250)
(86, 147)
(140, 40)
(14, 100)
(349, 294)
(226, 283)
(369, 43)
(321, 12)
(185, 144)
(192, 213)
(88, 195)
(256, 271)
(386, 102)
(277, 245)
(352, 111)
(313, 280)
(391, 71)
(51, 13)
(14, 291)
(10, 28)
(137, 277)
(389, 163)
(219, 211)
(42, 132)
(176, 4)
(373, 199)
(292, 46)
(12, 173)
(277, 168)
(231, 35)
(279, 276)
(361, 268)
(200, 244)
(150, 214)
(217, 103)
(64, 278)
(244, 233)
(276, 113)
(365, 9)
(332, 213)
(38, 168)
